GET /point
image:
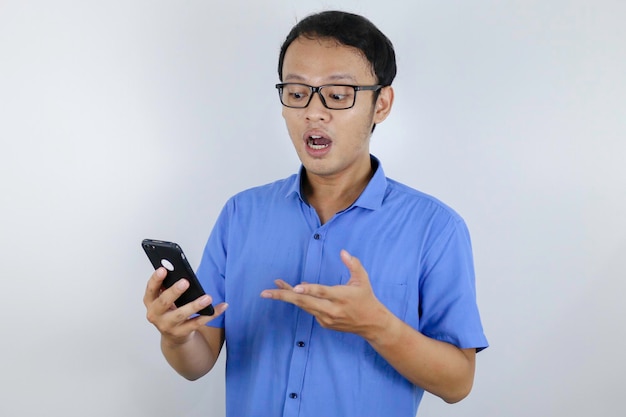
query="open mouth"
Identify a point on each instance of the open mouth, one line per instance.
(317, 142)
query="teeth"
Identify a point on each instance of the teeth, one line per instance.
(312, 145)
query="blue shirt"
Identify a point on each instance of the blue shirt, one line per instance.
(280, 361)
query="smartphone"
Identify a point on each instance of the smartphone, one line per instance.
(170, 256)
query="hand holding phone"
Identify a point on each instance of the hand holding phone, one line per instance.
(170, 256)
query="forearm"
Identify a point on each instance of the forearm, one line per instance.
(438, 367)
(192, 359)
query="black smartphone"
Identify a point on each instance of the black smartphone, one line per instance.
(170, 256)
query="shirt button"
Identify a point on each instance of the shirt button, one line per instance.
(316, 236)
(300, 344)
(293, 395)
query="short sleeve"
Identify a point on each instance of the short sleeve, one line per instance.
(211, 272)
(448, 309)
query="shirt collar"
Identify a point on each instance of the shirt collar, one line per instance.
(371, 198)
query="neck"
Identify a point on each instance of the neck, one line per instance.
(330, 195)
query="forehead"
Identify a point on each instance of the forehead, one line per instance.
(325, 60)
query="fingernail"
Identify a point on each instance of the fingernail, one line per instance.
(266, 294)
(205, 301)
(299, 289)
(182, 284)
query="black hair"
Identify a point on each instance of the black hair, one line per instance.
(350, 30)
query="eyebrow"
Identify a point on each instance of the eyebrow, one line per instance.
(332, 78)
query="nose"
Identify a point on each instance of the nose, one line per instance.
(316, 110)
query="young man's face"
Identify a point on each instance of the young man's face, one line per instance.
(332, 143)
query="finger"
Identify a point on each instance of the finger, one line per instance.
(358, 274)
(219, 310)
(177, 318)
(163, 303)
(168, 296)
(316, 290)
(283, 285)
(287, 295)
(183, 313)
(153, 287)
(306, 302)
(181, 331)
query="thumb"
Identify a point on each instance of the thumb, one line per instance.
(357, 272)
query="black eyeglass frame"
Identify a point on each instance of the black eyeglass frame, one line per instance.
(318, 89)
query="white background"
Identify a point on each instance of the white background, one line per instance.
(121, 120)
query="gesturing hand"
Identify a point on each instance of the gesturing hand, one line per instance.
(349, 308)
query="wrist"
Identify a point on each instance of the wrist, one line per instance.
(175, 342)
(382, 327)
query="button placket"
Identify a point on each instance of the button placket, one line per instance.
(305, 322)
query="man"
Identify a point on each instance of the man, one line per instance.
(348, 293)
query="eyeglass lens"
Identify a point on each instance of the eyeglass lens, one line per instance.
(333, 96)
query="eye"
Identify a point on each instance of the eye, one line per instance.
(296, 92)
(338, 93)
(337, 97)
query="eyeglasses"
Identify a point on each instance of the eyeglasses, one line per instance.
(333, 96)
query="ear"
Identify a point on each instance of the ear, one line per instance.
(383, 104)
